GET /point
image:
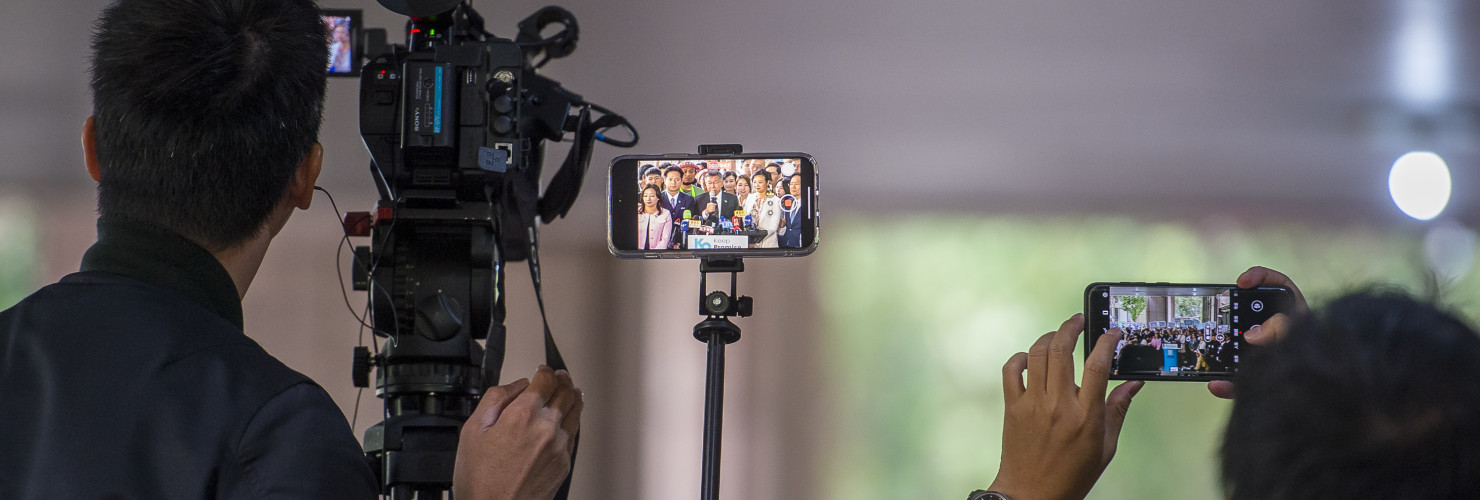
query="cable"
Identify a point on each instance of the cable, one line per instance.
(611, 120)
(369, 273)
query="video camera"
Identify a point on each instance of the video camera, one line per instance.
(455, 122)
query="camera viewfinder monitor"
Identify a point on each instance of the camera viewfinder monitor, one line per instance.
(1190, 332)
(692, 206)
(344, 30)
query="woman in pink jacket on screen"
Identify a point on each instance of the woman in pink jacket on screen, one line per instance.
(654, 223)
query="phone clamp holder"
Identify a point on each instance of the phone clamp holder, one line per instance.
(721, 149)
(717, 330)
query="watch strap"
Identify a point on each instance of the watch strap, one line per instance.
(987, 495)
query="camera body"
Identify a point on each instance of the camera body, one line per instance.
(458, 125)
(428, 119)
(454, 121)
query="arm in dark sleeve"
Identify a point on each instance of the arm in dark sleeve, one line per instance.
(298, 446)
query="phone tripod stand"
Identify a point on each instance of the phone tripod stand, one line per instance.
(717, 331)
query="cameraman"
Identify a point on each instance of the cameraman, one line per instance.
(1375, 395)
(133, 378)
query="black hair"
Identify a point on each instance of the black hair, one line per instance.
(786, 183)
(762, 172)
(652, 171)
(671, 169)
(1376, 395)
(656, 192)
(204, 109)
(728, 174)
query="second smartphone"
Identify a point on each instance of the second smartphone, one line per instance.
(685, 205)
(1191, 332)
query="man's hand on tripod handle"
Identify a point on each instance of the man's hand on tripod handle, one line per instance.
(517, 444)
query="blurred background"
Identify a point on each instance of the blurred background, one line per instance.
(981, 163)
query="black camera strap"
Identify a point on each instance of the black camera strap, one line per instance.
(566, 184)
(552, 352)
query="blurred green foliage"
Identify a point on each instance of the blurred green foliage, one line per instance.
(19, 251)
(922, 311)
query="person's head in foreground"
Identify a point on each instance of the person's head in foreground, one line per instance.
(1375, 395)
(203, 115)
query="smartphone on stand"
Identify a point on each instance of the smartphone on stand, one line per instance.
(1178, 331)
(692, 206)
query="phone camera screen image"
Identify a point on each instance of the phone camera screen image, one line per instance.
(343, 24)
(1179, 332)
(696, 206)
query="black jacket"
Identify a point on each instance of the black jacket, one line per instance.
(725, 206)
(133, 379)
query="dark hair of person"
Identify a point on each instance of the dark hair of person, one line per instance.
(762, 172)
(728, 174)
(641, 205)
(652, 171)
(204, 109)
(670, 170)
(786, 185)
(1376, 395)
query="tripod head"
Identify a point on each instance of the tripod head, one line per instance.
(718, 306)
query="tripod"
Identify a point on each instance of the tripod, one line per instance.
(716, 330)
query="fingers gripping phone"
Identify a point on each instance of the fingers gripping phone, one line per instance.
(1171, 331)
(691, 206)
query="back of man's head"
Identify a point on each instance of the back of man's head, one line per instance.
(1373, 396)
(204, 109)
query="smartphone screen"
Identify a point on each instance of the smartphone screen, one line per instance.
(1178, 331)
(676, 206)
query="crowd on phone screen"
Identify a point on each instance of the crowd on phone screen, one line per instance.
(1142, 349)
(688, 198)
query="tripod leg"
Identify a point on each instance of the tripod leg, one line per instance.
(714, 402)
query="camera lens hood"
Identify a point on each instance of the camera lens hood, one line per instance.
(419, 8)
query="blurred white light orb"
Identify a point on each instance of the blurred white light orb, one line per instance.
(1419, 183)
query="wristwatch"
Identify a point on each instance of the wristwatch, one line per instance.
(987, 495)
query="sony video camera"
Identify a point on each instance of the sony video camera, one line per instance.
(455, 122)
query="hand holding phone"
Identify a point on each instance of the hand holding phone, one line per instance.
(1271, 329)
(1057, 437)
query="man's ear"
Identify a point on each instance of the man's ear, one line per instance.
(90, 149)
(300, 191)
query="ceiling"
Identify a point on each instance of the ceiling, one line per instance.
(954, 105)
